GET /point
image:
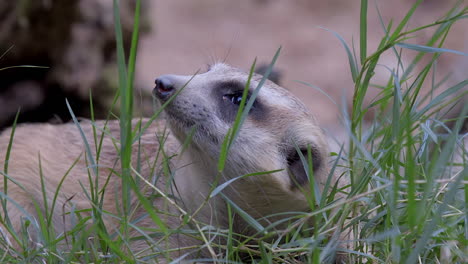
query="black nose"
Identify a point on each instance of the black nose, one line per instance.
(164, 88)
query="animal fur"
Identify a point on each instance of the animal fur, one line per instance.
(42, 156)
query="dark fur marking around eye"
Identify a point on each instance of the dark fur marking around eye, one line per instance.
(296, 167)
(229, 86)
(225, 92)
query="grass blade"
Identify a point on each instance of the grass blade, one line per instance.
(427, 49)
(352, 62)
(221, 187)
(363, 31)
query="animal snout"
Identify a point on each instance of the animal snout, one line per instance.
(165, 87)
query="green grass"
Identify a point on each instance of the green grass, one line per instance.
(405, 202)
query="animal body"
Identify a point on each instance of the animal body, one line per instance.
(49, 166)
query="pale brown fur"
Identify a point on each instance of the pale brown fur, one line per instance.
(260, 146)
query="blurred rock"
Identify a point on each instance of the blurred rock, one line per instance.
(74, 39)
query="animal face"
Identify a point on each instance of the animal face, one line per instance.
(276, 127)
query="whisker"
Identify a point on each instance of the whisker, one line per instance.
(231, 44)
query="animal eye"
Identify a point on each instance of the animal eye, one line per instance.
(235, 98)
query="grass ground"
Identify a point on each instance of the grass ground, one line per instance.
(407, 173)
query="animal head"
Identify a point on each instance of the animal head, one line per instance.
(278, 124)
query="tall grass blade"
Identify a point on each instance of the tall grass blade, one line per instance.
(352, 61)
(89, 154)
(363, 31)
(222, 186)
(22, 66)
(126, 113)
(427, 49)
(245, 111)
(405, 20)
(249, 219)
(5, 169)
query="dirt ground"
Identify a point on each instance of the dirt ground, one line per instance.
(187, 35)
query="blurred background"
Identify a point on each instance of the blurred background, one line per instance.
(75, 41)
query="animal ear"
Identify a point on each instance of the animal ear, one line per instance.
(296, 167)
(275, 75)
